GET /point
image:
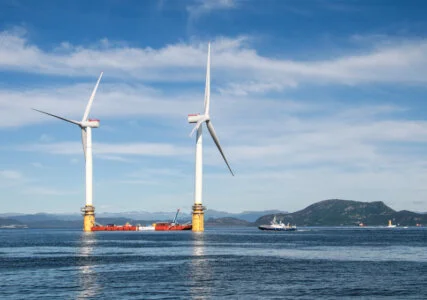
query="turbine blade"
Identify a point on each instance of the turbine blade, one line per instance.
(208, 81)
(89, 105)
(84, 140)
(203, 119)
(215, 138)
(195, 128)
(61, 118)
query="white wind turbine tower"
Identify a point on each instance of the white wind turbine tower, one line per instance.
(198, 214)
(86, 126)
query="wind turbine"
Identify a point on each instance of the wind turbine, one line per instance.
(86, 126)
(198, 208)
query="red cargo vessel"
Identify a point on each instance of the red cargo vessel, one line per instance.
(112, 227)
(172, 226)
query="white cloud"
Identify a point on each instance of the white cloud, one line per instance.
(151, 176)
(45, 138)
(361, 143)
(276, 133)
(158, 172)
(246, 88)
(202, 7)
(108, 151)
(233, 62)
(115, 158)
(112, 101)
(74, 161)
(37, 165)
(10, 175)
(46, 191)
(139, 181)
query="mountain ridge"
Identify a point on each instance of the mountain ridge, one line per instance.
(338, 212)
(330, 212)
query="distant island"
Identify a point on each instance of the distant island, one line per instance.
(333, 212)
(336, 212)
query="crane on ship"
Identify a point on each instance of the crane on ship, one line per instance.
(176, 217)
(172, 226)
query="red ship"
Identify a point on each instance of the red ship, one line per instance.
(112, 227)
(171, 226)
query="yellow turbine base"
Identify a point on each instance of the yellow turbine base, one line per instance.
(88, 218)
(198, 218)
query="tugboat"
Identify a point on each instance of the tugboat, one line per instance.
(172, 226)
(278, 226)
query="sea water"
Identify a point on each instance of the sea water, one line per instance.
(221, 263)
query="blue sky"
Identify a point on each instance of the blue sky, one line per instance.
(311, 100)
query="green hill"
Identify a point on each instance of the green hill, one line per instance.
(336, 212)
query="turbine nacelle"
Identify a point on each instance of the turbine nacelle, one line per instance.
(194, 118)
(92, 123)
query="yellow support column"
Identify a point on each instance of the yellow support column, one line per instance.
(88, 217)
(198, 219)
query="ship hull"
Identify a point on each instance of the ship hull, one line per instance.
(267, 227)
(172, 227)
(115, 228)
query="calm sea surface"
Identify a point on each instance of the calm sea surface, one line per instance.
(230, 263)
